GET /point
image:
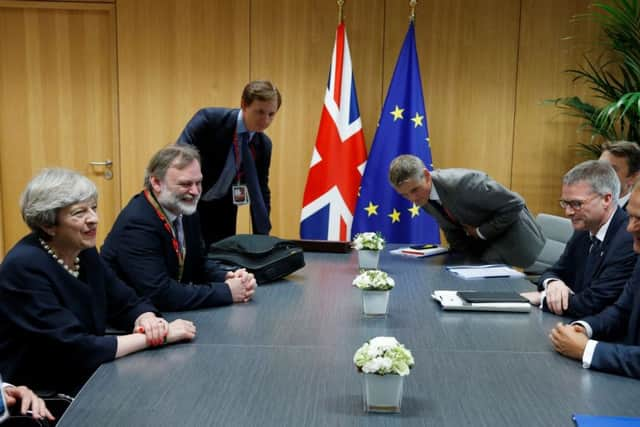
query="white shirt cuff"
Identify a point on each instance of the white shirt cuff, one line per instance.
(543, 295)
(480, 234)
(587, 356)
(547, 281)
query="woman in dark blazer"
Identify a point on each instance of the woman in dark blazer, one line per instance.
(57, 296)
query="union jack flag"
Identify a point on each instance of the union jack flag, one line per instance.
(339, 156)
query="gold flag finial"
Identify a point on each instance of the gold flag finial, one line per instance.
(412, 8)
(340, 17)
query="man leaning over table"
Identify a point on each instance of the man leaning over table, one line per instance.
(155, 245)
(599, 257)
(610, 340)
(479, 216)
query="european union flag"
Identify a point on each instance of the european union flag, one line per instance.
(402, 129)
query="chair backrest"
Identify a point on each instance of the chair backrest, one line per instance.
(557, 231)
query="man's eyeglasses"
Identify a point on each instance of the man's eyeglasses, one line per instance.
(576, 205)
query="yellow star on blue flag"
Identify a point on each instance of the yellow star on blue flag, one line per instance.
(371, 209)
(397, 113)
(395, 216)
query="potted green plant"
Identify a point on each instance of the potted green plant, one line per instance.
(384, 363)
(368, 245)
(375, 286)
(613, 77)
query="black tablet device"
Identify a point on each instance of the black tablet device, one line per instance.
(491, 296)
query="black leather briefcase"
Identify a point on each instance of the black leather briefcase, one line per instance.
(268, 258)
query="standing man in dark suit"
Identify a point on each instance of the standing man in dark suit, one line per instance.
(599, 257)
(236, 156)
(624, 157)
(477, 215)
(155, 244)
(610, 340)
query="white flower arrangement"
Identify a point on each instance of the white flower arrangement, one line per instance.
(382, 356)
(368, 241)
(374, 280)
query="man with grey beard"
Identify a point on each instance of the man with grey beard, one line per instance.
(155, 245)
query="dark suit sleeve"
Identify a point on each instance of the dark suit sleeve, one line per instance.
(29, 300)
(606, 288)
(195, 130)
(124, 305)
(617, 358)
(144, 267)
(506, 206)
(612, 322)
(263, 173)
(606, 285)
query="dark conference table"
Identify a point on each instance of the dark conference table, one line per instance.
(285, 359)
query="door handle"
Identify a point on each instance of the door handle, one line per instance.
(108, 173)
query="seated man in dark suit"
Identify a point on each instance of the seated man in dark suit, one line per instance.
(610, 340)
(599, 257)
(155, 245)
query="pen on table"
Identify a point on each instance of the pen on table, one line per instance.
(503, 276)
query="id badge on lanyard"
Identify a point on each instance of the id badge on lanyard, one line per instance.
(239, 192)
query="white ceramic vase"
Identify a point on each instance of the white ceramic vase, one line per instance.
(375, 303)
(382, 393)
(367, 259)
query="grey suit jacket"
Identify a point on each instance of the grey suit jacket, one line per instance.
(472, 197)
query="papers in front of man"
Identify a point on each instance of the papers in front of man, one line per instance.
(490, 271)
(449, 300)
(420, 251)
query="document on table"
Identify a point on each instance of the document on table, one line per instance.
(489, 271)
(419, 252)
(601, 421)
(449, 300)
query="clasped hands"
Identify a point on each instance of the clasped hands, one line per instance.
(569, 340)
(242, 285)
(158, 331)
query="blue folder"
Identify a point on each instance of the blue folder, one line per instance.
(600, 421)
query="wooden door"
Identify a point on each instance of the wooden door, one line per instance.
(57, 102)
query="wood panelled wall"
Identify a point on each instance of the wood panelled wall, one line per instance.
(486, 66)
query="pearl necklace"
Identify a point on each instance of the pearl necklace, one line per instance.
(75, 271)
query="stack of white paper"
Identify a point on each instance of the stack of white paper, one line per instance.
(491, 271)
(449, 300)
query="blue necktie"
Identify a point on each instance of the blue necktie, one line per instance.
(595, 249)
(259, 214)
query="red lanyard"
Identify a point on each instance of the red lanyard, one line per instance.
(236, 150)
(167, 226)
